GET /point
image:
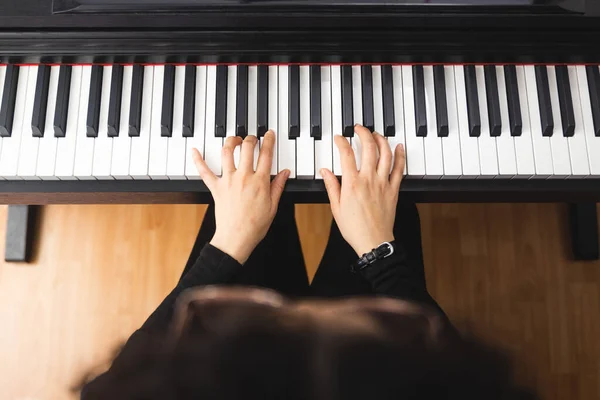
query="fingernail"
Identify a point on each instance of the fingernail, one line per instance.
(322, 171)
(286, 173)
(358, 126)
(401, 147)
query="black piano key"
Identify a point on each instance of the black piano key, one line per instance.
(221, 102)
(420, 110)
(441, 102)
(514, 103)
(241, 114)
(9, 98)
(315, 102)
(472, 101)
(294, 102)
(189, 101)
(543, 89)
(40, 102)
(565, 99)
(166, 122)
(367, 97)
(347, 101)
(493, 100)
(387, 85)
(137, 91)
(114, 102)
(62, 101)
(593, 75)
(93, 111)
(263, 100)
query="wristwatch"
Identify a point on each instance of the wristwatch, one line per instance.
(382, 251)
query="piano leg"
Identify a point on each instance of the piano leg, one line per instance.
(583, 219)
(20, 226)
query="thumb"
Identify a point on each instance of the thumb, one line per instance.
(332, 185)
(277, 186)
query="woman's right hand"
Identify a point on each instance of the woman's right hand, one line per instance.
(364, 205)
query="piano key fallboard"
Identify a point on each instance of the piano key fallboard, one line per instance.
(465, 126)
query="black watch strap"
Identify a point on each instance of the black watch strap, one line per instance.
(382, 251)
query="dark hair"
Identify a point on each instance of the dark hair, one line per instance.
(257, 352)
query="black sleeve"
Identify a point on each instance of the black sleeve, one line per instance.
(212, 267)
(394, 276)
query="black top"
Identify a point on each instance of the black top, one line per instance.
(391, 277)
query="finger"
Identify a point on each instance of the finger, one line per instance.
(398, 170)
(227, 153)
(205, 173)
(265, 157)
(332, 185)
(368, 162)
(277, 186)
(347, 160)
(247, 154)
(385, 156)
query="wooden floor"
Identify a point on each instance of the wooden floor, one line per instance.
(500, 270)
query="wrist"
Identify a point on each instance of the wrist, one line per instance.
(235, 249)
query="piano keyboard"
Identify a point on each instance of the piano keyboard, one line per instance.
(122, 122)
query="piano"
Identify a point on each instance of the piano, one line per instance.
(102, 100)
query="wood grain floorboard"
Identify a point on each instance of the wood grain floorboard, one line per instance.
(501, 271)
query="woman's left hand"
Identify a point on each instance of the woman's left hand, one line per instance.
(246, 201)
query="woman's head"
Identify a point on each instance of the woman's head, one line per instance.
(253, 344)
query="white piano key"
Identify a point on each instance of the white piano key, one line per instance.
(469, 148)
(323, 147)
(2, 76)
(253, 101)
(84, 146)
(253, 108)
(336, 115)
(197, 141)
(29, 143)
(46, 162)
(287, 147)
(451, 143)
(212, 144)
(231, 109)
(357, 111)
(398, 112)
(121, 151)
(159, 145)
(177, 143)
(65, 154)
(593, 142)
(561, 162)
(507, 159)
(577, 146)
(305, 144)
(377, 99)
(524, 142)
(488, 154)
(415, 160)
(541, 145)
(273, 112)
(103, 144)
(432, 143)
(9, 155)
(140, 145)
